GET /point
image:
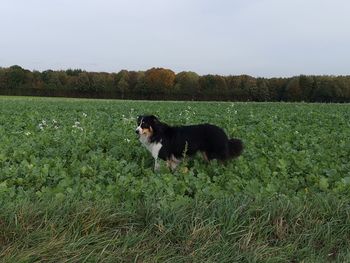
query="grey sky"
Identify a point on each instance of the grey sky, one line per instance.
(255, 37)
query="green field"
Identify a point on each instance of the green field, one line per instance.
(76, 184)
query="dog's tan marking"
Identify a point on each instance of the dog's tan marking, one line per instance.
(147, 132)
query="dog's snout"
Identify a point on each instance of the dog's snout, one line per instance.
(137, 131)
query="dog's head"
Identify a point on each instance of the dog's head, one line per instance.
(146, 125)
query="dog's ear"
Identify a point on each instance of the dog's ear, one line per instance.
(139, 118)
(157, 126)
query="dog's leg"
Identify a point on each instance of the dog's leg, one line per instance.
(156, 165)
(168, 163)
(155, 152)
(174, 163)
(205, 156)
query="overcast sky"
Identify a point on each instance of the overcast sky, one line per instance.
(228, 37)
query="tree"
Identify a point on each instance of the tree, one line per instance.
(73, 72)
(3, 79)
(276, 88)
(307, 85)
(16, 77)
(234, 90)
(140, 87)
(134, 77)
(162, 83)
(159, 80)
(323, 90)
(98, 82)
(343, 83)
(123, 85)
(213, 84)
(293, 91)
(187, 83)
(262, 93)
(51, 79)
(80, 82)
(249, 87)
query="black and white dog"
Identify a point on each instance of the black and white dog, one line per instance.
(172, 143)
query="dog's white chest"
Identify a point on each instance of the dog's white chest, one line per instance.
(154, 147)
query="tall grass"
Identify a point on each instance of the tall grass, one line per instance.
(276, 229)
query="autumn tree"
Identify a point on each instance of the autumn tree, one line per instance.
(159, 80)
(167, 85)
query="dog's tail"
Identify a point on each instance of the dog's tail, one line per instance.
(235, 148)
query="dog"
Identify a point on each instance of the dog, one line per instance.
(172, 143)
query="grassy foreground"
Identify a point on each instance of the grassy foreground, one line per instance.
(276, 229)
(76, 186)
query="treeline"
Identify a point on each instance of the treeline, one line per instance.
(160, 83)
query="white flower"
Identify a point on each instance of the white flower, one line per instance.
(27, 133)
(77, 126)
(42, 125)
(84, 114)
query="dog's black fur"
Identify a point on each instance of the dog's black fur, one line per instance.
(177, 141)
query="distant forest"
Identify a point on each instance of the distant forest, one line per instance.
(164, 84)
